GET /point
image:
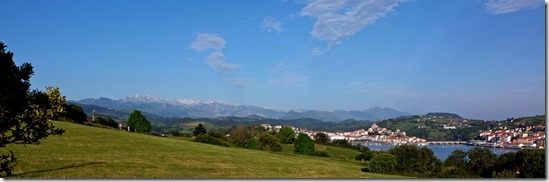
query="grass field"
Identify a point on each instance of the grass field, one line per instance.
(90, 152)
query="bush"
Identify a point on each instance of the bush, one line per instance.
(286, 135)
(176, 133)
(365, 156)
(252, 143)
(216, 134)
(270, 143)
(319, 154)
(383, 163)
(75, 113)
(107, 122)
(205, 138)
(304, 144)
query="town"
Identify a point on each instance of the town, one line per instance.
(517, 138)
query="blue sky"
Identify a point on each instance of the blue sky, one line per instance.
(482, 59)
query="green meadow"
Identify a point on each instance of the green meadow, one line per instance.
(91, 152)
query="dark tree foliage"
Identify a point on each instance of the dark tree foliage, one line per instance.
(240, 135)
(286, 135)
(531, 162)
(456, 165)
(252, 143)
(199, 130)
(304, 144)
(507, 161)
(75, 113)
(216, 133)
(137, 122)
(205, 138)
(107, 122)
(25, 116)
(322, 138)
(415, 161)
(365, 156)
(269, 143)
(481, 161)
(383, 163)
(319, 154)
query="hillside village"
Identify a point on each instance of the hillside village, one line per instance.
(520, 137)
(373, 134)
(526, 137)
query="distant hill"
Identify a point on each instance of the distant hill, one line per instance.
(374, 114)
(182, 108)
(443, 114)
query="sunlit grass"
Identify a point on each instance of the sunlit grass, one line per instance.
(89, 152)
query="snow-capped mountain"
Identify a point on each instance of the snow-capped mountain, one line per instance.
(182, 107)
(194, 108)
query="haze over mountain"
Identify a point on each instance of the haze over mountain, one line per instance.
(211, 109)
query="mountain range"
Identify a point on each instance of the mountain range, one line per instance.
(193, 108)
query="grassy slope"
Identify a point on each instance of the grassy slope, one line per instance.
(89, 152)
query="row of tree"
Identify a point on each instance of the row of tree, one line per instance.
(411, 160)
(257, 137)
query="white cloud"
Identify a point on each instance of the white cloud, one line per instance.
(205, 41)
(217, 61)
(238, 82)
(508, 6)
(341, 19)
(271, 24)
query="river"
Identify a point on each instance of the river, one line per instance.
(443, 151)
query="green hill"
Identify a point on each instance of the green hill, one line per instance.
(90, 152)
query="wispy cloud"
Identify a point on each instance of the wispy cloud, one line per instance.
(238, 82)
(216, 59)
(339, 20)
(271, 25)
(205, 41)
(508, 6)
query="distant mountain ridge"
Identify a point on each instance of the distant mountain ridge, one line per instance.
(212, 109)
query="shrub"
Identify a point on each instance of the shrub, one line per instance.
(216, 134)
(319, 154)
(286, 135)
(365, 156)
(383, 163)
(239, 135)
(304, 144)
(270, 143)
(205, 138)
(252, 143)
(176, 133)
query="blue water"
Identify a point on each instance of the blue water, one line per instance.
(443, 151)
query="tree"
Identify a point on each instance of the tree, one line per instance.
(252, 143)
(383, 163)
(137, 122)
(507, 161)
(107, 122)
(239, 135)
(304, 144)
(269, 142)
(532, 163)
(416, 161)
(286, 135)
(481, 161)
(322, 138)
(75, 113)
(25, 116)
(199, 130)
(365, 156)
